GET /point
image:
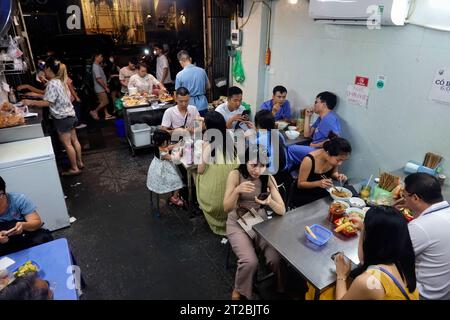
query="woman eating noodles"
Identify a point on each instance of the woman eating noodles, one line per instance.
(318, 170)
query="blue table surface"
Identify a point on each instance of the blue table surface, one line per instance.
(54, 260)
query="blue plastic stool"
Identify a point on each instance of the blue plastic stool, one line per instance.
(120, 128)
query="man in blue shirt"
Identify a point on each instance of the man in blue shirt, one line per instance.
(324, 128)
(195, 80)
(278, 105)
(20, 224)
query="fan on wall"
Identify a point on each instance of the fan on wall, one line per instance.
(5, 16)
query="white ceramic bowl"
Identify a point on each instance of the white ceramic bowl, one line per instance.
(292, 134)
(359, 211)
(357, 202)
(335, 197)
(292, 128)
(282, 125)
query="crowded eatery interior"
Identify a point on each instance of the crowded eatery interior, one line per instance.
(228, 150)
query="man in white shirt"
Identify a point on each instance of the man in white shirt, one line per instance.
(143, 82)
(162, 66)
(430, 235)
(181, 116)
(232, 109)
(126, 72)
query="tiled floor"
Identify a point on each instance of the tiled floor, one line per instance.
(124, 251)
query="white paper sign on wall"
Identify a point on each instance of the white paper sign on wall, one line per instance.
(440, 89)
(358, 95)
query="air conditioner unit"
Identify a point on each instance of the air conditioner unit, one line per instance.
(360, 12)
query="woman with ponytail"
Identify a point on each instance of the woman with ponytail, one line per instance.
(318, 170)
(62, 113)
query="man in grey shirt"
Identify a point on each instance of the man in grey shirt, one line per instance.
(100, 87)
(430, 235)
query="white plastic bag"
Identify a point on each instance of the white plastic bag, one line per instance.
(13, 49)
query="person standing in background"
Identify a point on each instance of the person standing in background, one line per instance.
(112, 72)
(195, 80)
(62, 113)
(162, 67)
(100, 87)
(144, 82)
(126, 72)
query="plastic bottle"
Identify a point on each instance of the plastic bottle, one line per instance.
(12, 96)
(188, 152)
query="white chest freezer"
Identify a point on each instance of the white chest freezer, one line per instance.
(29, 167)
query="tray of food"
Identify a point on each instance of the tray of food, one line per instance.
(10, 116)
(132, 101)
(165, 97)
(345, 226)
(27, 268)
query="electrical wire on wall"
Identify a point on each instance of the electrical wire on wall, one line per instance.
(269, 24)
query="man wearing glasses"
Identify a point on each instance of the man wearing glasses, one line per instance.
(430, 234)
(20, 224)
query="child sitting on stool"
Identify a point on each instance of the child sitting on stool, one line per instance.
(163, 176)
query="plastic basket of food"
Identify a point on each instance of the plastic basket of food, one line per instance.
(317, 234)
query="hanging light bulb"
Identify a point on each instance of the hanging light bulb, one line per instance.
(292, 1)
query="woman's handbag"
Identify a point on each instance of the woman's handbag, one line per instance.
(247, 218)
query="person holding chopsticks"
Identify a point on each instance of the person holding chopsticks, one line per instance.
(319, 169)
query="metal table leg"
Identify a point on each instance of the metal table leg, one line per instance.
(190, 197)
(316, 294)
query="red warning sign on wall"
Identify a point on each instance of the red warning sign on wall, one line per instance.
(361, 81)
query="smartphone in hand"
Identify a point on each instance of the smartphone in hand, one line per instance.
(263, 196)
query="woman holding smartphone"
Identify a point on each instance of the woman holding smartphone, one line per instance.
(247, 188)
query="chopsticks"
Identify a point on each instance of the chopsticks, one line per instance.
(432, 160)
(327, 178)
(388, 181)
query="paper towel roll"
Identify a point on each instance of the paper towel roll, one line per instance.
(411, 167)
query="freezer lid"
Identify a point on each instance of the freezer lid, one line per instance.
(24, 152)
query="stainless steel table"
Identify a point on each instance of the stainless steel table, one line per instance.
(31, 129)
(287, 235)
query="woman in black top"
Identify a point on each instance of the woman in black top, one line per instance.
(317, 165)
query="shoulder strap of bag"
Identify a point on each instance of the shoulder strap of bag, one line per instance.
(397, 283)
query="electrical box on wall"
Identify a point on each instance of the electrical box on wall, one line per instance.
(236, 37)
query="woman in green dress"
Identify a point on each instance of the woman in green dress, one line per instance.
(219, 158)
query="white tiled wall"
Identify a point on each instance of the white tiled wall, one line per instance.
(400, 123)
